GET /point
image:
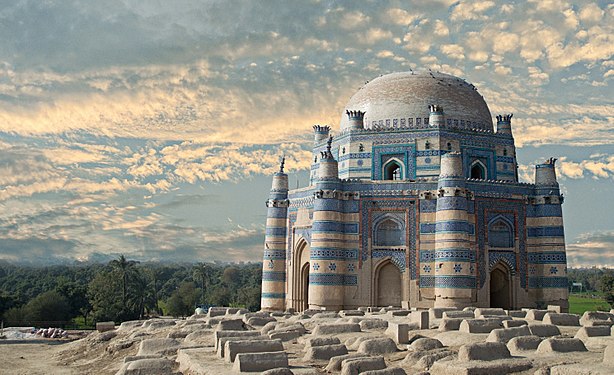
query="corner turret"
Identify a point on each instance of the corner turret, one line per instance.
(355, 119)
(504, 124)
(329, 168)
(320, 133)
(545, 174)
(436, 116)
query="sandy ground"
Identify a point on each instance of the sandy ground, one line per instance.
(38, 358)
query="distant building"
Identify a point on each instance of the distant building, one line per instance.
(415, 202)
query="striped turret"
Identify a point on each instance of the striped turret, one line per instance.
(454, 259)
(546, 240)
(326, 275)
(274, 262)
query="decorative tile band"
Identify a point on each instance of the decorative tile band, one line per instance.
(328, 253)
(456, 282)
(548, 282)
(551, 257)
(321, 226)
(276, 231)
(554, 231)
(273, 276)
(427, 281)
(454, 255)
(274, 254)
(508, 258)
(332, 279)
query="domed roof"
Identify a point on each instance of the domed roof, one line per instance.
(403, 99)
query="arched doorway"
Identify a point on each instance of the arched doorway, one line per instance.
(478, 171)
(304, 287)
(388, 285)
(300, 279)
(393, 171)
(500, 287)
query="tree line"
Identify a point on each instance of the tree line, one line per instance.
(122, 290)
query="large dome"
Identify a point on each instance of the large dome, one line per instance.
(403, 99)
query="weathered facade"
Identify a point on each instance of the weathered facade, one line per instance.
(415, 202)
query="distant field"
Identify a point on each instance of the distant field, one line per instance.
(579, 303)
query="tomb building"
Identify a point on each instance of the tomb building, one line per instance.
(415, 202)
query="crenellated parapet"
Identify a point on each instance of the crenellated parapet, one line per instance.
(321, 133)
(355, 119)
(504, 124)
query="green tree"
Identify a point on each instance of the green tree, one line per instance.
(201, 272)
(607, 287)
(126, 270)
(183, 300)
(49, 306)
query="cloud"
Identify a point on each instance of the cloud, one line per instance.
(592, 249)
(471, 10)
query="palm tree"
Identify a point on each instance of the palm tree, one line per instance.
(201, 272)
(125, 268)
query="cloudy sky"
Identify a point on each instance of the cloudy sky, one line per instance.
(150, 128)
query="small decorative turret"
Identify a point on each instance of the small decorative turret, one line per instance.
(320, 133)
(451, 165)
(274, 259)
(355, 119)
(436, 116)
(329, 168)
(545, 173)
(504, 124)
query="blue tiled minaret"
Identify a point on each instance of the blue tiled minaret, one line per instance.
(454, 259)
(274, 262)
(326, 275)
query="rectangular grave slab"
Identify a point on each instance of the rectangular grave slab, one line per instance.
(479, 325)
(421, 318)
(324, 352)
(254, 362)
(232, 348)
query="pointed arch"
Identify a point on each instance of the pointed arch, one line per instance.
(500, 232)
(387, 284)
(389, 231)
(300, 271)
(500, 286)
(478, 170)
(393, 169)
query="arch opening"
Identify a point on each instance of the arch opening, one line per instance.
(393, 171)
(478, 171)
(500, 234)
(500, 287)
(300, 287)
(389, 233)
(304, 304)
(388, 288)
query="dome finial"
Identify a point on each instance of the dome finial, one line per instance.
(281, 164)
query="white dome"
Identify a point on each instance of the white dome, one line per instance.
(405, 97)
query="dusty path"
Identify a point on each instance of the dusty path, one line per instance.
(25, 357)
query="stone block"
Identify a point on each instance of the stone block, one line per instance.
(437, 312)
(158, 347)
(386, 371)
(560, 319)
(517, 313)
(421, 318)
(278, 371)
(129, 325)
(534, 314)
(355, 366)
(363, 308)
(382, 345)
(105, 326)
(590, 316)
(554, 308)
(457, 314)
(373, 324)
(506, 334)
(479, 325)
(261, 361)
(524, 343)
(427, 360)
(450, 324)
(324, 352)
(470, 308)
(282, 327)
(335, 328)
(325, 315)
(268, 327)
(544, 330)
(217, 335)
(320, 341)
(230, 325)
(393, 313)
(514, 323)
(221, 344)
(216, 311)
(488, 311)
(285, 335)
(586, 332)
(399, 332)
(500, 366)
(334, 364)
(232, 348)
(151, 366)
(561, 345)
(483, 351)
(256, 321)
(595, 323)
(351, 313)
(426, 343)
